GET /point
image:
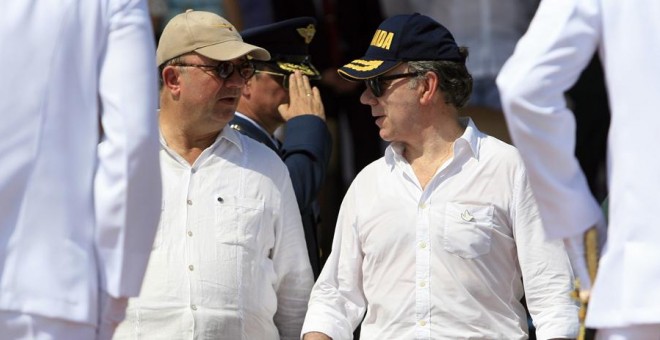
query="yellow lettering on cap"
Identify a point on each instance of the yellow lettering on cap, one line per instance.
(388, 41)
(375, 38)
(382, 39)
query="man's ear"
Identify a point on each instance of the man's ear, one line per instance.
(246, 91)
(171, 79)
(429, 87)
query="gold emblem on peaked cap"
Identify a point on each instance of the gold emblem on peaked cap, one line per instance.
(307, 33)
(293, 67)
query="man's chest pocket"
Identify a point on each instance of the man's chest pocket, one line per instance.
(468, 229)
(238, 221)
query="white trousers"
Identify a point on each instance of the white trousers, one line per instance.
(636, 332)
(18, 326)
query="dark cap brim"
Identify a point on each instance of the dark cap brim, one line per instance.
(361, 69)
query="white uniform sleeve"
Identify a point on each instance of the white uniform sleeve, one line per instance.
(128, 182)
(560, 42)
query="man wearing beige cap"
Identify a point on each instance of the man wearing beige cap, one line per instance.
(229, 260)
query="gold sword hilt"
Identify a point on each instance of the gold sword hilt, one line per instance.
(591, 258)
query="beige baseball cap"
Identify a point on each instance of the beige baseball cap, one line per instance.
(205, 33)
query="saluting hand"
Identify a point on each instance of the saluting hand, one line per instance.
(303, 98)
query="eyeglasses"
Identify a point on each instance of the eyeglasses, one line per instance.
(285, 77)
(225, 69)
(377, 84)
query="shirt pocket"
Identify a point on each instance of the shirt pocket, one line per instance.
(468, 229)
(238, 221)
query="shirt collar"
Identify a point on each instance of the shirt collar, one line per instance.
(230, 135)
(226, 133)
(469, 138)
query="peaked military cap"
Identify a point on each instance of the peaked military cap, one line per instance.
(288, 44)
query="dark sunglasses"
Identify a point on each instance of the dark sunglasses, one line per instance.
(285, 77)
(377, 84)
(225, 69)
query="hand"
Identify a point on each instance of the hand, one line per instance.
(113, 311)
(303, 98)
(316, 336)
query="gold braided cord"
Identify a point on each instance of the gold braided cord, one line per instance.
(591, 258)
(591, 252)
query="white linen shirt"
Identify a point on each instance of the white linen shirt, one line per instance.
(560, 42)
(446, 262)
(229, 260)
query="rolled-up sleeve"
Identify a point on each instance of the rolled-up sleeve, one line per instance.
(337, 303)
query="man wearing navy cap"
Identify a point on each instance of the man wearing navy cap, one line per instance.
(441, 237)
(280, 95)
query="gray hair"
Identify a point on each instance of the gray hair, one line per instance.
(173, 61)
(455, 80)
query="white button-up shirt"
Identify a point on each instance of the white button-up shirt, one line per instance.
(445, 262)
(229, 260)
(549, 58)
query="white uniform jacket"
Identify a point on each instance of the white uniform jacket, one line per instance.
(78, 212)
(560, 42)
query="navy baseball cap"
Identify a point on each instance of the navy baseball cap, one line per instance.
(288, 44)
(402, 38)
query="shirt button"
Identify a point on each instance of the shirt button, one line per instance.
(189, 233)
(423, 205)
(422, 284)
(422, 323)
(422, 244)
(220, 199)
(193, 170)
(193, 307)
(191, 267)
(189, 202)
